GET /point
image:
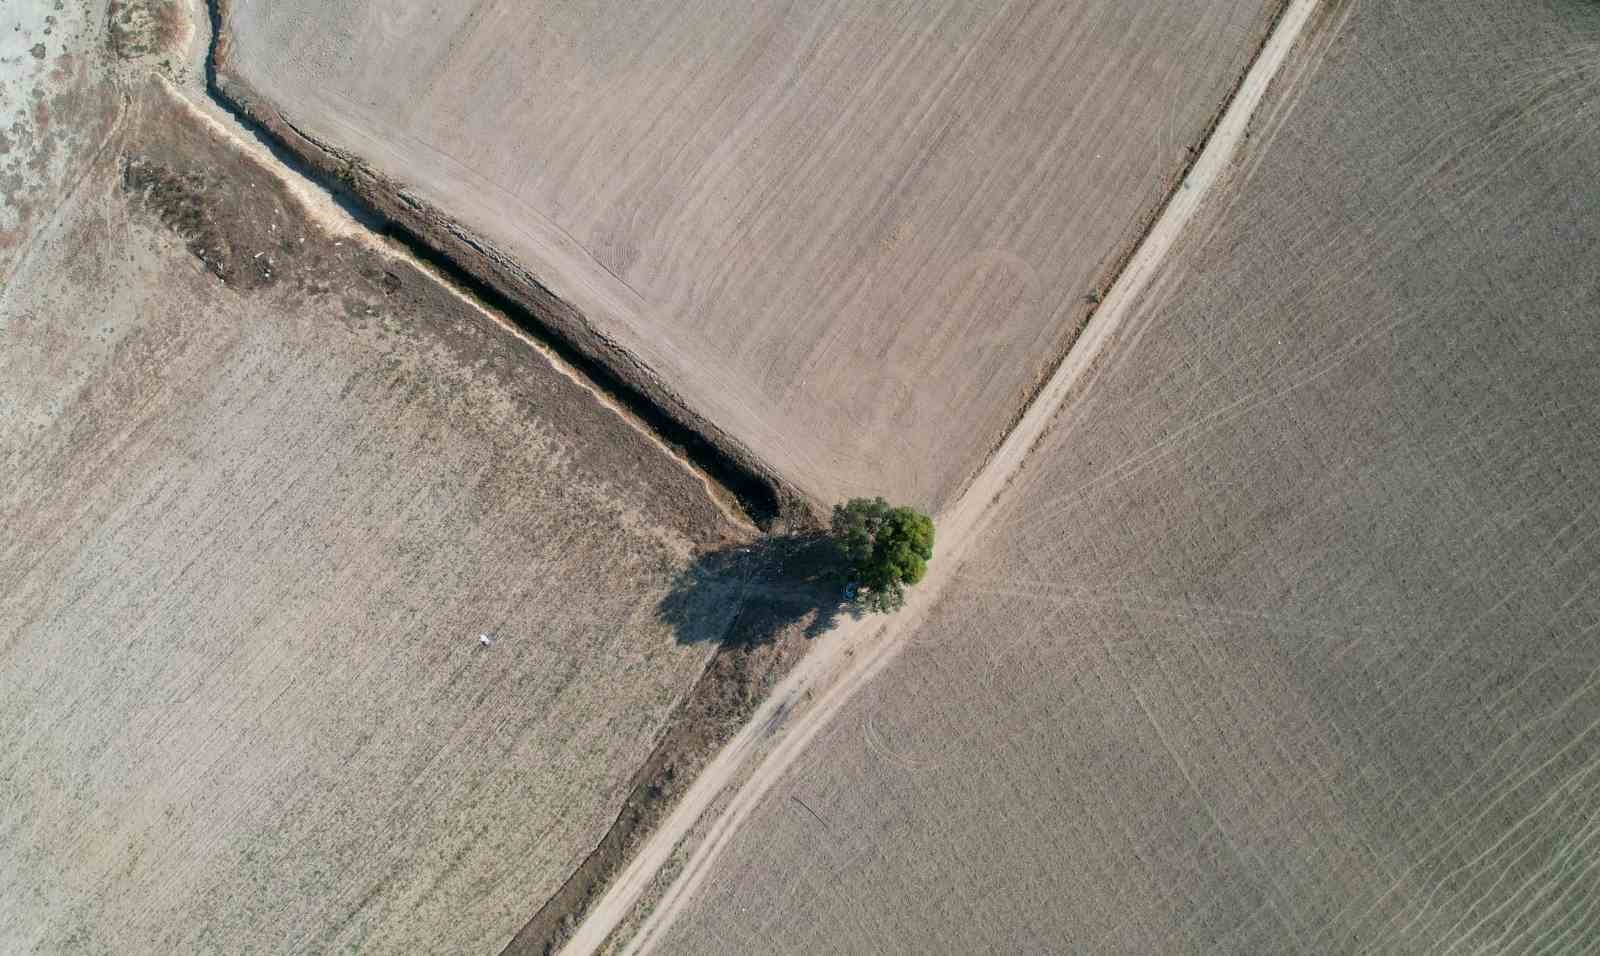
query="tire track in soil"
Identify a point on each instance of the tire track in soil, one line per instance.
(856, 651)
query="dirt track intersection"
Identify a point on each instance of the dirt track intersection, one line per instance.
(1279, 639)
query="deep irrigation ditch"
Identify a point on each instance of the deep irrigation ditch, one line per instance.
(1116, 261)
(771, 503)
(477, 270)
(701, 722)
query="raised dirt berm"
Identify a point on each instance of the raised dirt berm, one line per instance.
(844, 240)
(266, 482)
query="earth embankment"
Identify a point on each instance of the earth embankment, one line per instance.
(268, 482)
(843, 241)
(1283, 640)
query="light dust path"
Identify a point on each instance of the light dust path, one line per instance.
(850, 655)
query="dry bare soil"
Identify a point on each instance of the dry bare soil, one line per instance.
(849, 236)
(1285, 639)
(55, 108)
(265, 483)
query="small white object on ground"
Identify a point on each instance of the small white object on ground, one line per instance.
(487, 640)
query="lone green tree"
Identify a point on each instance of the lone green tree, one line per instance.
(887, 548)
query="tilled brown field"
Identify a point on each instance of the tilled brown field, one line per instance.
(1285, 641)
(266, 483)
(852, 236)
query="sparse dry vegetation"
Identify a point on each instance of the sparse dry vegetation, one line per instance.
(139, 28)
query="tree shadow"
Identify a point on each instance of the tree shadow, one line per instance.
(747, 595)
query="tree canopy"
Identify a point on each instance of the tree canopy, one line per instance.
(888, 549)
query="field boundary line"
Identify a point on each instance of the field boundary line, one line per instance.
(855, 651)
(327, 213)
(1123, 254)
(477, 268)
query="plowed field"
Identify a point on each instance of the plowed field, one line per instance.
(265, 485)
(851, 235)
(1285, 640)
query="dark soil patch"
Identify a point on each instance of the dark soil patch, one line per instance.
(137, 28)
(247, 229)
(469, 262)
(180, 201)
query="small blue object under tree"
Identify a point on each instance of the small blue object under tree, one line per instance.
(888, 549)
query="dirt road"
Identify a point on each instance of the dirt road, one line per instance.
(851, 655)
(233, 428)
(1282, 638)
(742, 198)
